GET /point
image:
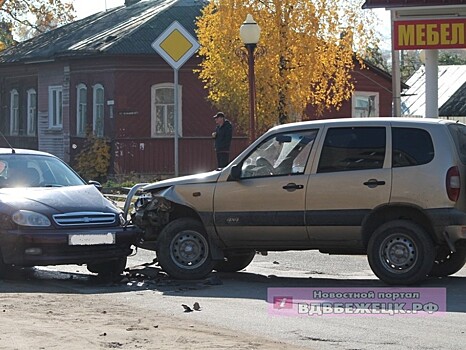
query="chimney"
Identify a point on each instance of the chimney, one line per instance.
(131, 2)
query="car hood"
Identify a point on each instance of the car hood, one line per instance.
(211, 176)
(66, 199)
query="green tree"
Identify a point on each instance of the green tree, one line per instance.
(449, 58)
(374, 55)
(31, 17)
(409, 63)
(309, 46)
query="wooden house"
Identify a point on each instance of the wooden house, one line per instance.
(101, 73)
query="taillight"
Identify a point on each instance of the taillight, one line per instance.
(453, 183)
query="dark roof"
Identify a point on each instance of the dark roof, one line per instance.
(456, 104)
(124, 30)
(409, 3)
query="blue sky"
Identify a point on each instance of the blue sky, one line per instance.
(85, 8)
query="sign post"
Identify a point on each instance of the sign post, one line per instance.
(175, 45)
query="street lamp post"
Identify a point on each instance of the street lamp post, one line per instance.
(250, 34)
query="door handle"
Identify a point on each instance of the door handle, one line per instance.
(372, 183)
(292, 187)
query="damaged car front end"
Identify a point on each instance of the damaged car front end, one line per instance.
(176, 217)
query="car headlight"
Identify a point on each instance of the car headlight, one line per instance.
(122, 219)
(30, 218)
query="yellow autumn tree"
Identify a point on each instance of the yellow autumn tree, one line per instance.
(93, 161)
(27, 18)
(309, 50)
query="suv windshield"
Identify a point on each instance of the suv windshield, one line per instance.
(20, 170)
(282, 154)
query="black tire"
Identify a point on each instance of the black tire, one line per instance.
(108, 269)
(183, 250)
(447, 263)
(235, 262)
(401, 252)
(4, 268)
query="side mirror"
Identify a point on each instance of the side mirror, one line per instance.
(97, 184)
(235, 173)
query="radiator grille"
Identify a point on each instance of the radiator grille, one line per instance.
(84, 218)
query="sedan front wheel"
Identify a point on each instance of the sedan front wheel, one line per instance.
(108, 269)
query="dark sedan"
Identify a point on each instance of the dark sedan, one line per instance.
(50, 216)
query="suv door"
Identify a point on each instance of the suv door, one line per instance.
(266, 201)
(351, 177)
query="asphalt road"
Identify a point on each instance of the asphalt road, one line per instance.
(238, 301)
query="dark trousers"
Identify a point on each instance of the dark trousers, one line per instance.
(223, 158)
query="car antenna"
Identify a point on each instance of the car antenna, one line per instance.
(9, 145)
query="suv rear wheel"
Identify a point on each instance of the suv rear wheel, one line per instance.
(447, 263)
(183, 250)
(401, 252)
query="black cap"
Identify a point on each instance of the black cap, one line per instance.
(219, 115)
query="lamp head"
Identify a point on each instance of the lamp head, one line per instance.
(249, 31)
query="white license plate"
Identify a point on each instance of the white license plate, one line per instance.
(85, 239)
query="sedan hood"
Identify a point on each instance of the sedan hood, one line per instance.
(67, 199)
(211, 176)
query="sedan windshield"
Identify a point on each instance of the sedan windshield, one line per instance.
(21, 170)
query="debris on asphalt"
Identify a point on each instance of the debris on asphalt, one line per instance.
(186, 308)
(196, 307)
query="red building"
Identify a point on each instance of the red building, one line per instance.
(102, 73)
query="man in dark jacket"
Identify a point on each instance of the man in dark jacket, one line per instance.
(222, 135)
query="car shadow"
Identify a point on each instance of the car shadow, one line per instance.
(57, 280)
(246, 285)
(242, 285)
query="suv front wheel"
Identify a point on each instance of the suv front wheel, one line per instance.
(235, 262)
(183, 250)
(401, 252)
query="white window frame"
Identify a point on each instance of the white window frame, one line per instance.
(81, 110)
(32, 112)
(372, 99)
(98, 111)
(55, 107)
(154, 89)
(14, 112)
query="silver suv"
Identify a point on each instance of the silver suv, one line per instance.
(390, 188)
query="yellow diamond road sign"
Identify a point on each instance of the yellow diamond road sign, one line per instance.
(175, 45)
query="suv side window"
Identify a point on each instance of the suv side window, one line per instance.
(281, 154)
(458, 131)
(351, 148)
(411, 146)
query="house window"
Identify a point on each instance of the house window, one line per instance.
(365, 104)
(14, 112)
(163, 110)
(98, 110)
(32, 112)
(81, 109)
(55, 107)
